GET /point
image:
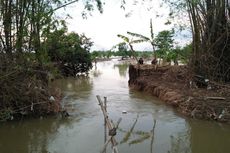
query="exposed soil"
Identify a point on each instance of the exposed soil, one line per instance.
(175, 85)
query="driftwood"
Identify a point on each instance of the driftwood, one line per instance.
(110, 127)
(216, 98)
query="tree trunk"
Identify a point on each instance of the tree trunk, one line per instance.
(210, 25)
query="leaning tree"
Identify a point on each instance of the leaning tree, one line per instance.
(129, 42)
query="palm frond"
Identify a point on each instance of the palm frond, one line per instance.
(138, 35)
(138, 41)
(126, 39)
(151, 29)
(122, 43)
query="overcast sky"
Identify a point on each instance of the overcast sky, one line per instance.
(103, 28)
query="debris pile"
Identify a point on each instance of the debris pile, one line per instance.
(24, 91)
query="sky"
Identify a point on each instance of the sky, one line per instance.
(103, 28)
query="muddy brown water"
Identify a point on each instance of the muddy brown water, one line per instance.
(83, 131)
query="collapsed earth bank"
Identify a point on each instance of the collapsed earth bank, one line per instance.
(175, 86)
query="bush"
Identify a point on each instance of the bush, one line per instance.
(70, 52)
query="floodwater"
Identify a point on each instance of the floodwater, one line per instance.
(149, 126)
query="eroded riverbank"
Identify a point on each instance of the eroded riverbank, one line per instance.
(172, 85)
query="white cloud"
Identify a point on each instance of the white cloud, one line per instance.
(103, 28)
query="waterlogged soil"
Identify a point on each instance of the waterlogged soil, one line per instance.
(175, 85)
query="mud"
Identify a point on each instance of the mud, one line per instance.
(175, 86)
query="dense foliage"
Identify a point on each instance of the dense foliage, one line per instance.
(69, 51)
(163, 46)
(164, 42)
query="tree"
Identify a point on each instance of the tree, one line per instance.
(143, 38)
(210, 24)
(185, 54)
(210, 37)
(108, 54)
(70, 51)
(25, 24)
(129, 42)
(94, 55)
(123, 51)
(164, 42)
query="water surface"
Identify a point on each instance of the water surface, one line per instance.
(83, 132)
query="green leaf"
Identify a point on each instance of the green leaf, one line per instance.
(126, 39)
(139, 36)
(138, 41)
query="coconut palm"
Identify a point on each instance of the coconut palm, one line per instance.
(143, 38)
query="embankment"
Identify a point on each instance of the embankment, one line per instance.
(172, 84)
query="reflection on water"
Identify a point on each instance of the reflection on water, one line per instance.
(122, 68)
(30, 136)
(209, 137)
(96, 73)
(80, 84)
(129, 132)
(149, 126)
(180, 142)
(139, 135)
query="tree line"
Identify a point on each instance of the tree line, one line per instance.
(163, 45)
